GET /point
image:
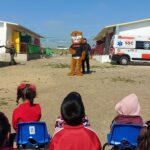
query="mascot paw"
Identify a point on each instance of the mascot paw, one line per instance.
(72, 51)
(83, 56)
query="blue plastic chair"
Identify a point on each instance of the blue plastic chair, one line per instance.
(123, 136)
(32, 135)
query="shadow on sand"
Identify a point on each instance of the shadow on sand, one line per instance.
(4, 64)
(133, 64)
(90, 72)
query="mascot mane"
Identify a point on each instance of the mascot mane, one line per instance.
(77, 37)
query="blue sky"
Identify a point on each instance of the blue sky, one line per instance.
(56, 19)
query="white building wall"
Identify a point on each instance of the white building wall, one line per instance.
(2, 36)
(9, 34)
(102, 58)
(137, 29)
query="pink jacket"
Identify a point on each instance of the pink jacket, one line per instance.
(128, 110)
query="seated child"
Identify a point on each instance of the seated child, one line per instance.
(128, 110)
(144, 138)
(27, 111)
(74, 135)
(60, 122)
(4, 132)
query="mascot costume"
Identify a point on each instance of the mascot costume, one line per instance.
(77, 52)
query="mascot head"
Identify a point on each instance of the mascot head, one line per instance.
(77, 37)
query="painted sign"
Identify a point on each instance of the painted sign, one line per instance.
(32, 129)
(124, 42)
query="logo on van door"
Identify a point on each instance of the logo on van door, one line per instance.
(129, 42)
(147, 45)
(119, 43)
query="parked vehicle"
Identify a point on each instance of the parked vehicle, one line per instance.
(125, 49)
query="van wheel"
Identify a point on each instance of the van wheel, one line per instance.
(124, 60)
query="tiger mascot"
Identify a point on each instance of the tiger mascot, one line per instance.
(78, 53)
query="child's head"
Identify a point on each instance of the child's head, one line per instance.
(72, 109)
(26, 92)
(144, 138)
(4, 129)
(129, 105)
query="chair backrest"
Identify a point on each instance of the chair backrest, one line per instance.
(124, 135)
(32, 134)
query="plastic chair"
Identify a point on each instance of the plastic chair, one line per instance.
(123, 136)
(32, 135)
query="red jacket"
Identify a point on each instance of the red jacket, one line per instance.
(26, 113)
(75, 138)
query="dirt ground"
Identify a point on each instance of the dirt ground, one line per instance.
(100, 90)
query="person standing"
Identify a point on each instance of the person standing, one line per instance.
(88, 51)
(12, 51)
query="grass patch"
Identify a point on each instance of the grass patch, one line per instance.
(94, 66)
(59, 65)
(104, 66)
(60, 51)
(122, 79)
(62, 65)
(3, 103)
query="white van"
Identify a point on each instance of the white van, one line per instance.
(124, 49)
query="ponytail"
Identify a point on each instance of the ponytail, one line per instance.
(20, 89)
(29, 94)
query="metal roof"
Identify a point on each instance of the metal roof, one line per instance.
(109, 29)
(24, 28)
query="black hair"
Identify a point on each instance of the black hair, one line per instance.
(4, 129)
(72, 109)
(26, 93)
(144, 138)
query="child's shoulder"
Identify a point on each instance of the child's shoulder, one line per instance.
(27, 104)
(36, 105)
(90, 130)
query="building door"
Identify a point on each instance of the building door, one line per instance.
(16, 40)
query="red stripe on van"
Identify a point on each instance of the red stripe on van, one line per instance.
(126, 37)
(146, 56)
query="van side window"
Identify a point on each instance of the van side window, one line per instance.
(143, 45)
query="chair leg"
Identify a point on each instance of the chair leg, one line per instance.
(104, 146)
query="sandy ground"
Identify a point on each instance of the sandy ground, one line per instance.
(100, 90)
